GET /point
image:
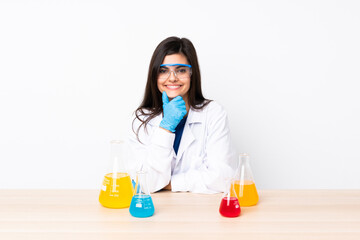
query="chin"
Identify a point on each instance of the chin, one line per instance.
(173, 95)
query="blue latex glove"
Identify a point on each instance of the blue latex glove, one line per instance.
(174, 111)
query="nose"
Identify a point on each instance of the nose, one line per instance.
(172, 76)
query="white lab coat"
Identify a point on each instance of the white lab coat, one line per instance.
(204, 158)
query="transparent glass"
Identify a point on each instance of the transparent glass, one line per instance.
(180, 72)
(229, 206)
(117, 189)
(244, 183)
(141, 203)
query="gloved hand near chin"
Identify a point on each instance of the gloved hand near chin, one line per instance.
(174, 111)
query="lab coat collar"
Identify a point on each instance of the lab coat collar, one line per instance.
(195, 116)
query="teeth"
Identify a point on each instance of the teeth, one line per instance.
(173, 87)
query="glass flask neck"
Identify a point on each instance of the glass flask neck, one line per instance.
(243, 172)
(244, 158)
(141, 187)
(116, 163)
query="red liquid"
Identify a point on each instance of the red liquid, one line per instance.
(230, 207)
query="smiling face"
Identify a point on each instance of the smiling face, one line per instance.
(173, 86)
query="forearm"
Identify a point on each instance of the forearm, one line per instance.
(166, 130)
(154, 154)
(167, 187)
(205, 179)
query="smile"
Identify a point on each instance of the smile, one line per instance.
(173, 87)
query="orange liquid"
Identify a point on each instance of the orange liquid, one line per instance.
(117, 191)
(246, 193)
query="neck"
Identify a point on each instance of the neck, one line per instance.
(186, 104)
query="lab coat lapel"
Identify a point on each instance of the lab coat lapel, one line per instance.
(188, 136)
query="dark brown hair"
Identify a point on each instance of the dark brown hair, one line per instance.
(152, 101)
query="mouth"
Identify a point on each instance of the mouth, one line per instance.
(173, 87)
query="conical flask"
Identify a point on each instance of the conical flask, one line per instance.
(117, 190)
(244, 184)
(229, 206)
(141, 203)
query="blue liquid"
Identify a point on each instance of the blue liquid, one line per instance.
(141, 206)
(133, 183)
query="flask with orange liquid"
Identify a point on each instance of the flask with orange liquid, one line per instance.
(117, 190)
(244, 184)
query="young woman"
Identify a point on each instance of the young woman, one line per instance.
(178, 136)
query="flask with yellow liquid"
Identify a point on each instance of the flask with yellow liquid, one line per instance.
(117, 190)
(244, 184)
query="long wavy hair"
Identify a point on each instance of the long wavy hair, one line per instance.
(152, 101)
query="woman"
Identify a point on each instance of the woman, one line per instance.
(179, 137)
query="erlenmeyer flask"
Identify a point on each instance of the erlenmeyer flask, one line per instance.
(244, 184)
(117, 190)
(141, 203)
(229, 206)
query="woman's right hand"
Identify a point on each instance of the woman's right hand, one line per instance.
(174, 111)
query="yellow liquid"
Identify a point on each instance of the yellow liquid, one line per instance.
(117, 191)
(247, 193)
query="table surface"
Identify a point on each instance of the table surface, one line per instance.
(280, 214)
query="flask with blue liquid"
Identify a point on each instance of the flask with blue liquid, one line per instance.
(141, 204)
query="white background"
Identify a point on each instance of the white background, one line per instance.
(287, 72)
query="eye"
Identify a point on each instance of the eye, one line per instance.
(163, 70)
(182, 70)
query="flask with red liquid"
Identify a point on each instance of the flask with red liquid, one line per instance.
(229, 206)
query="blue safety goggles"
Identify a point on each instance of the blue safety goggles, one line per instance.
(175, 64)
(181, 71)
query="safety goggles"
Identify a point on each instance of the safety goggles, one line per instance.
(181, 71)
